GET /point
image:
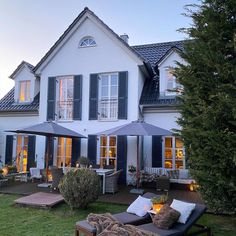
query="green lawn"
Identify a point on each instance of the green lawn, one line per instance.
(60, 220)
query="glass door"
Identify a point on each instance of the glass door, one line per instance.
(64, 152)
(21, 153)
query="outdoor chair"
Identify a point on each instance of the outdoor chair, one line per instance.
(111, 182)
(163, 183)
(57, 174)
(123, 217)
(35, 174)
(95, 166)
(181, 229)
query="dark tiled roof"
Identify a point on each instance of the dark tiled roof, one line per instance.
(154, 52)
(31, 67)
(7, 104)
(150, 95)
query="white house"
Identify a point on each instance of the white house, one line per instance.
(89, 81)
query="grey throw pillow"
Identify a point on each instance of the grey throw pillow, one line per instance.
(166, 217)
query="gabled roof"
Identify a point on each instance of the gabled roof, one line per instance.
(22, 64)
(64, 35)
(7, 104)
(154, 52)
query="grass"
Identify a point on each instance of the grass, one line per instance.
(60, 220)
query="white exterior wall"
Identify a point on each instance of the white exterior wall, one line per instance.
(162, 119)
(107, 56)
(13, 122)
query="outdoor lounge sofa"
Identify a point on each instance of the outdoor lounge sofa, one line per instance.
(124, 217)
(182, 229)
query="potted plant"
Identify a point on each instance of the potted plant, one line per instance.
(83, 162)
(158, 202)
(131, 168)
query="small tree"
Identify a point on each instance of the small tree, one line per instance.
(80, 188)
(208, 105)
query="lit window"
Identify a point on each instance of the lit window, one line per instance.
(87, 42)
(174, 153)
(21, 153)
(108, 151)
(65, 98)
(24, 95)
(108, 96)
(64, 152)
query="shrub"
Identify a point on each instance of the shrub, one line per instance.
(83, 161)
(80, 187)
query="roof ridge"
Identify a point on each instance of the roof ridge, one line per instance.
(159, 43)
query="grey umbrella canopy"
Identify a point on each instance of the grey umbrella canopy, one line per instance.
(48, 129)
(136, 128)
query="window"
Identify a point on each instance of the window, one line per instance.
(174, 153)
(64, 150)
(108, 96)
(171, 84)
(65, 98)
(21, 153)
(87, 42)
(24, 94)
(108, 150)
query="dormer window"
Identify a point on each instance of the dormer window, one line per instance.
(24, 93)
(172, 86)
(87, 42)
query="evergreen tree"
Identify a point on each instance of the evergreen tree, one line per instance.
(208, 101)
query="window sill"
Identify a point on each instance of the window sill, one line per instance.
(108, 120)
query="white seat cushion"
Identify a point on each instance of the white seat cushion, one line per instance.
(184, 208)
(140, 206)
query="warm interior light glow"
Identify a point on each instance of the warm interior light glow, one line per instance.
(157, 207)
(5, 171)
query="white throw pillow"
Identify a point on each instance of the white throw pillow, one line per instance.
(184, 208)
(140, 206)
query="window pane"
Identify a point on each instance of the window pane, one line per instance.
(114, 79)
(112, 141)
(168, 142)
(168, 164)
(178, 143)
(104, 92)
(22, 91)
(104, 79)
(114, 91)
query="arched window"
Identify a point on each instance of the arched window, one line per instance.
(87, 42)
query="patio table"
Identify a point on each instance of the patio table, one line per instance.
(103, 172)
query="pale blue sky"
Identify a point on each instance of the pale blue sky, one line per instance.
(28, 28)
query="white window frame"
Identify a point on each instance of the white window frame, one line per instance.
(173, 148)
(107, 157)
(26, 91)
(170, 78)
(109, 104)
(64, 108)
(87, 41)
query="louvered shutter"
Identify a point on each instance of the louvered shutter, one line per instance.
(93, 97)
(122, 157)
(123, 95)
(31, 152)
(77, 105)
(8, 151)
(76, 142)
(51, 98)
(92, 148)
(156, 151)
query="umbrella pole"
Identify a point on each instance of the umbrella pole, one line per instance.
(138, 165)
(47, 157)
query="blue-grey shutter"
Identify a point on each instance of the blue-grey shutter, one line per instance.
(156, 151)
(51, 151)
(75, 151)
(93, 97)
(8, 151)
(31, 152)
(77, 105)
(92, 148)
(51, 98)
(122, 157)
(123, 95)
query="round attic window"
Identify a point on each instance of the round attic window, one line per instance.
(87, 42)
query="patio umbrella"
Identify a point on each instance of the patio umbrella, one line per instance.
(48, 129)
(136, 128)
